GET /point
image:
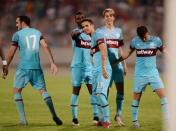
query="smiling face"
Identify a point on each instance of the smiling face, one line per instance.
(109, 18)
(87, 27)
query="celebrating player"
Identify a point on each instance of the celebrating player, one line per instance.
(101, 71)
(113, 38)
(29, 40)
(81, 68)
(146, 72)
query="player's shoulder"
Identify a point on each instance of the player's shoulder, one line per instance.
(135, 39)
(118, 29)
(155, 38)
(99, 31)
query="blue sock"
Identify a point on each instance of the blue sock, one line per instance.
(164, 108)
(119, 103)
(100, 112)
(94, 105)
(74, 105)
(105, 107)
(20, 106)
(49, 103)
(134, 110)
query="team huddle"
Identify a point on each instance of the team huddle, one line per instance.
(98, 60)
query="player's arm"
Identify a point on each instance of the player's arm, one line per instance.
(4, 63)
(103, 50)
(124, 56)
(46, 48)
(11, 53)
(123, 62)
(75, 34)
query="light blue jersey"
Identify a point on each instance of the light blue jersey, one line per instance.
(146, 55)
(113, 39)
(81, 66)
(98, 38)
(81, 51)
(28, 41)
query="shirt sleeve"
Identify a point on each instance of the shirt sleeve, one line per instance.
(15, 39)
(159, 44)
(132, 45)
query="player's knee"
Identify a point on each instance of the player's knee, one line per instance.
(102, 99)
(17, 90)
(17, 97)
(89, 87)
(120, 87)
(76, 90)
(45, 94)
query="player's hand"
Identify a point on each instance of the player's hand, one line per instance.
(105, 73)
(125, 70)
(115, 63)
(54, 69)
(5, 71)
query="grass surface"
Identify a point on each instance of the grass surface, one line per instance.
(59, 88)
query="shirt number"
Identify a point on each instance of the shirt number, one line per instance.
(33, 39)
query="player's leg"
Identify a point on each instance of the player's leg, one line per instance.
(20, 106)
(93, 103)
(135, 108)
(76, 84)
(138, 87)
(20, 81)
(102, 88)
(158, 87)
(50, 105)
(38, 82)
(88, 79)
(118, 78)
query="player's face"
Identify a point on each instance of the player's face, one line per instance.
(18, 23)
(79, 18)
(146, 36)
(109, 18)
(87, 27)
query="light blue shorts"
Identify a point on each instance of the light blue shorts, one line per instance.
(140, 83)
(117, 75)
(34, 76)
(79, 76)
(100, 84)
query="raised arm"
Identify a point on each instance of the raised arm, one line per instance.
(47, 50)
(103, 50)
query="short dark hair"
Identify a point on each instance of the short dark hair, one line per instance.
(88, 20)
(25, 19)
(79, 13)
(141, 31)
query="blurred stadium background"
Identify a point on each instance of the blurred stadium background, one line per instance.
(55, 19)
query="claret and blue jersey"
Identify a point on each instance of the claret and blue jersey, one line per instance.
(81, 51)
(28, 41)
(146, 55)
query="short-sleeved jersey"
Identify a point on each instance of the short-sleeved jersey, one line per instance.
(113, 39)
(146, 55)
(28, 41)
(98, 38)
(81, 46)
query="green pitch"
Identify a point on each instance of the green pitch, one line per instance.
(59, 88)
